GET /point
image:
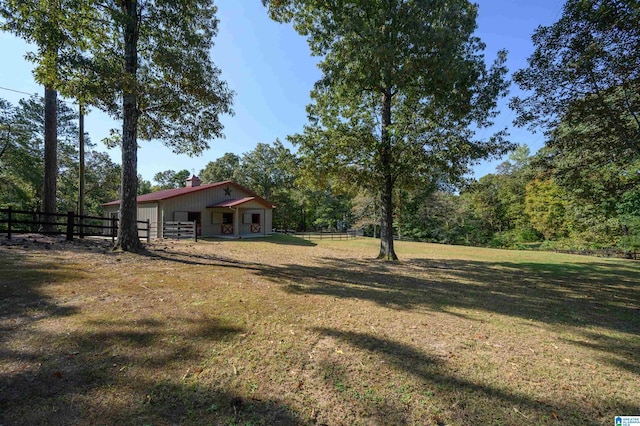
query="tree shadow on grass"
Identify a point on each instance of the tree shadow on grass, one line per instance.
(115, 371)
(597, 296)
(281, 239)
(21, 279)
(476, 403)
(576, 295)
(196, 259)
(127, 372)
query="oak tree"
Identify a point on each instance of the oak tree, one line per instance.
(582, 88)
(404, 83)
(224, 168)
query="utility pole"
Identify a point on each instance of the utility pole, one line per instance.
(81, 169)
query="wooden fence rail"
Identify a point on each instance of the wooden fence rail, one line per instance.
(174, 229)
(68, 224)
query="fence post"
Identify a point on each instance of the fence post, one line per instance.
(81, 226)
(9, 225)
(113, 229)
(148, 231)
(70, 226)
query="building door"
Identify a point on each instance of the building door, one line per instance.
(196, 216)
(255, 223)
(227, 223)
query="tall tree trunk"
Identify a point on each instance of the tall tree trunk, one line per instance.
(128, 231)
(50, 156)
(81, 168)
(387, 252)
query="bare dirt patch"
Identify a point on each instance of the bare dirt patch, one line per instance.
(280, 331)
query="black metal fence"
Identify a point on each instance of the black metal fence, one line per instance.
(319, 235)
(69, 224)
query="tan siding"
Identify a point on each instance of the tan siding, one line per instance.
(245, 228)
(108, 210)
(148, 211)
(197, 202)
(268, 221)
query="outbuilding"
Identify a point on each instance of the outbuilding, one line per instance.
(219, 209)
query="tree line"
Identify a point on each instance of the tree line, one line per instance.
(146, 63)
(22, 160)
(403, 110)
(531, 201)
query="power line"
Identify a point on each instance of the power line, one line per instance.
(16, 91)
(35, 94)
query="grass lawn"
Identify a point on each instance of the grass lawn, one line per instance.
(284, 331)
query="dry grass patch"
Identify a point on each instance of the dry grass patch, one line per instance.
(282, 331)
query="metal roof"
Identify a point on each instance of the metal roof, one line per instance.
(171, 193)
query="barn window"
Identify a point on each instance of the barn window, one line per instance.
(227, 218)
(251, 218)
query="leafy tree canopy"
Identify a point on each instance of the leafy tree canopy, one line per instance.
(583, 80)
(402, 83)
(268, 168)
(148, 63)
(224, 168)
(180, 95)
(21, 160)
(170, 179)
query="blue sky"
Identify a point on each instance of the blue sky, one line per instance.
(270, 68)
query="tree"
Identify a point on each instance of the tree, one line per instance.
(170, 179)
(151, 67)
(268, 168)
(583, 80)
(224, 168)
(271, 171)
(487, 204)
(583, 91)
(402, 83)
(70, 162)
(20, 162)
(365, 211)
(43, 23)
(144, 186)
(102, 181)
(22, 152)
(629, 212)
(546, 204)
(22, 166)
(330, 210)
